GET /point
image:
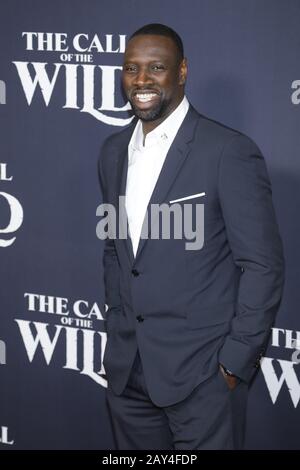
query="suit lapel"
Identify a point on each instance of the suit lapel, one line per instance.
(122, 169)
(175, 158)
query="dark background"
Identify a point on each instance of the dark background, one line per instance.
(243, 57)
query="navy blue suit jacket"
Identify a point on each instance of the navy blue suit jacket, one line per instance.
(188, 310)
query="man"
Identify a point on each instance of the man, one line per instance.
(186, 327)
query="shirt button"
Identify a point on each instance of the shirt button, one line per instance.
(135, 272)
(140, 318)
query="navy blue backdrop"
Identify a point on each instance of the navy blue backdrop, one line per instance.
(60, 97)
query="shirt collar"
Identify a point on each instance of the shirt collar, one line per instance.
(163, 133)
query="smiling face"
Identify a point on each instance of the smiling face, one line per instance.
(153, 77)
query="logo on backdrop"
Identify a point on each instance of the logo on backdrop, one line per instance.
(280, 374)
(2, 92)
(4, 436)
(58, 324)
(12, 213)
(88, 86)
(2, 352)
(295, 96)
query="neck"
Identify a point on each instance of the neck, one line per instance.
(149, 126)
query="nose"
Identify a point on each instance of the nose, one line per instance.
(142, 78)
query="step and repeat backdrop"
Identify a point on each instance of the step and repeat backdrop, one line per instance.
(60, 97)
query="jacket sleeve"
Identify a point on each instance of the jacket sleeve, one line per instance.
(246, 201)
(111, 265)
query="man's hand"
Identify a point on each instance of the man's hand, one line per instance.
(231, 380)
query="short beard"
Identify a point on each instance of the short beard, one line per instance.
(153, 114)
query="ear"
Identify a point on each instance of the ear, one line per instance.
(183, 71)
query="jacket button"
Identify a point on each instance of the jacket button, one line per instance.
(135, 272)
(140, 318)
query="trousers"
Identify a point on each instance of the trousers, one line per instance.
(211, 417)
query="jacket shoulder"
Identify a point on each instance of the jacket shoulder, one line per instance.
(117, 138)
(113, 144)
(224, 136)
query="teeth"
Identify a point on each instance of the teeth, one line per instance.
(144, 97)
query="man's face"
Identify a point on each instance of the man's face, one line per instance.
(153, 77)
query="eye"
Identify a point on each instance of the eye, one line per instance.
(158, 67)
(130, 68)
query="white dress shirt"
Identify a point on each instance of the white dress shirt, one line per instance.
(144, 165)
